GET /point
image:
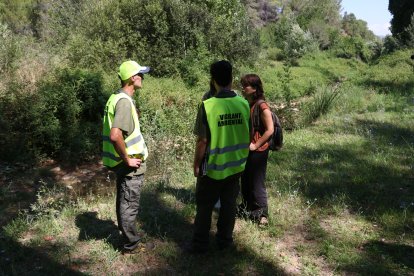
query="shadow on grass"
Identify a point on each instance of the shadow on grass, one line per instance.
(380, 258)
(374, 179)
(388, 135)
(16, 259)
(402, 88)
(376, 185)
(400, 254)
(91, 227)
(167, 223)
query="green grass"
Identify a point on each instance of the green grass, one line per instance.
(341, 194)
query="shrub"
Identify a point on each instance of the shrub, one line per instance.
(9, 49)
(391, 44)
(294, 41)
(393, 73)
(320, 104)
(163, 34)
(282, 30)
(63, 119)
(352, 47)
(298, 43)
(68, 114)
(50, 199)
(275, 54)
(15, 110)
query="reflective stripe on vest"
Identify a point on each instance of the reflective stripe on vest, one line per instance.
(228, 121)
(134, 143)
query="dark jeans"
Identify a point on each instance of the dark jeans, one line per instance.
(127, 205)
(253, 185)
(208, 191)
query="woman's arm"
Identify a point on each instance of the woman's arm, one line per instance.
(266, 117)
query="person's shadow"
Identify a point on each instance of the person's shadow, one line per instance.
(91, 227)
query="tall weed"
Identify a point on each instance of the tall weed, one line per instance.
(321, 103)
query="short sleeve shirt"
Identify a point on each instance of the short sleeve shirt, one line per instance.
(124, 121)
(123, 117)
(199, 128)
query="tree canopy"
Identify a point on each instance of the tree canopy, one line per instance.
(402, 12)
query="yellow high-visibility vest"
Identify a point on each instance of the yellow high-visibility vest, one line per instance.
(228, 121)
(134, 143)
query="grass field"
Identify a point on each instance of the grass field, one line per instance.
(341, 192)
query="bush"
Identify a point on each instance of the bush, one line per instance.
(352, 47)
(163, 34)
(69, 113)
(321, 103)
(62, 120)
(9, 49)
(282, 30)
(393, 73)
(275, 54)
(294, 41)
(298, 43)
(391, 44)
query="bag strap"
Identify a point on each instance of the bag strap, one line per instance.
(256, 114)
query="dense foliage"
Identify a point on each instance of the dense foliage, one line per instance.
(402, 11)
(58, 57)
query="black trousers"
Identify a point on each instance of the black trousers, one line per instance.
(127, 206)
(208, 191)
(253, 185)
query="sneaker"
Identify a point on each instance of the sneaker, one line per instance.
(263, 222)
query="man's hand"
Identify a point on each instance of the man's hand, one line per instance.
(200, 150)
(252, 147)
(117, 140)
(134, 163)
(196, 171)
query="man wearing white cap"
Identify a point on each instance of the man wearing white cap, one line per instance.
(124, 150)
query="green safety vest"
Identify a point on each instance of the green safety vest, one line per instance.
(134, 143)
(228, 120)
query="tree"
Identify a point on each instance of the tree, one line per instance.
(356, 27)
(410, 33)
(320, 17)
(402, 11)
(166, 34)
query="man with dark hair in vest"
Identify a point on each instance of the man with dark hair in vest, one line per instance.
(222, 147)
(125, 152)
